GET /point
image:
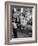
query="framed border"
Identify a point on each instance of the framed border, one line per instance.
(7, 22)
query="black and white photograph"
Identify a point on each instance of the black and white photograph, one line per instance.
(21, 22)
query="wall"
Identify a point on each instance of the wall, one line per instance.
(2, 21)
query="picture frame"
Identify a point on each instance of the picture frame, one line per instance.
(9, 9)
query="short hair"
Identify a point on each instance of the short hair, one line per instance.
(23, 14)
